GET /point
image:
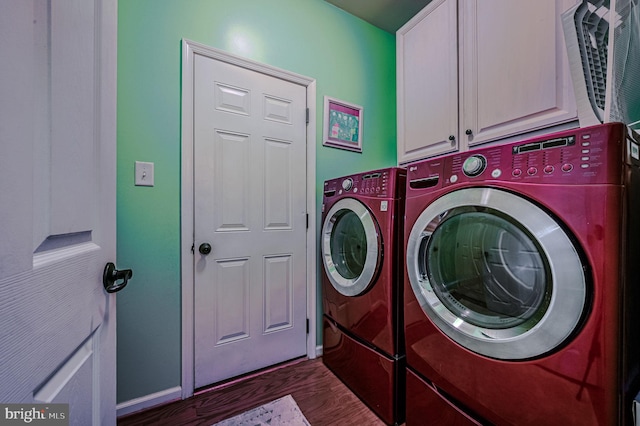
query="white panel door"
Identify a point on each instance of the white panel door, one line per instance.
(515, 68)
(250, 207)
(57, 209)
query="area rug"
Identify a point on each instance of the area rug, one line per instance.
(281, 412)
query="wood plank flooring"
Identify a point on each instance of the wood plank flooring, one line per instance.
(321, 396)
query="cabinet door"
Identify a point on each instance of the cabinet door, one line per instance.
(515, 74)
(427, 79)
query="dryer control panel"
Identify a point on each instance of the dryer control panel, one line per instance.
(581, 156)
(378, 183)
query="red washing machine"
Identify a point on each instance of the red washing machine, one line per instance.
(521, 295)
(362, 281)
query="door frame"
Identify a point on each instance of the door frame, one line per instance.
(189, 50)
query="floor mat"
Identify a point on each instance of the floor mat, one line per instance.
(281, 412)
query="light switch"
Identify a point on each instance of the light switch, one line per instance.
(144, 173)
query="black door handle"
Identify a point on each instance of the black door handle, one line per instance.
(111, 276)
(205, 248)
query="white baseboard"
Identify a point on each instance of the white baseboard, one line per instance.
(148, 401)
(318, 351)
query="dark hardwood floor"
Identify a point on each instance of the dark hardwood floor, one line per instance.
(321, 396)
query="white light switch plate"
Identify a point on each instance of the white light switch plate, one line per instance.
(144, 173)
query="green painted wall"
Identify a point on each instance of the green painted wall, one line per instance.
(350, 60)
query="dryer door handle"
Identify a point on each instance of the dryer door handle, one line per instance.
(422, 254)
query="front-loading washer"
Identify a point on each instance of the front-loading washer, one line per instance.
(520, 291)
(362, 281)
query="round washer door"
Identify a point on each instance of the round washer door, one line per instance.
(496, 273)
(351, 247)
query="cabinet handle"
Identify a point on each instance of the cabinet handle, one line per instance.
(452, 138)
(469, 132)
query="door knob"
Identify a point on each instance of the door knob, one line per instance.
(205, 248)
(111, 276)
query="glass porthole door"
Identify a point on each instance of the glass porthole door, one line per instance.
(496, 273)
(351, 248)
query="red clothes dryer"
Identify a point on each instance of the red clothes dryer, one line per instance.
(362, 281)
(521, 298)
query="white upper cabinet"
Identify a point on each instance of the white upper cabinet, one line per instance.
(427, 62)
(472, 71)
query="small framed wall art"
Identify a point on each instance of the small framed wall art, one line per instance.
(342, 125)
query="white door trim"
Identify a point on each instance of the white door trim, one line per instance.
(189, 50)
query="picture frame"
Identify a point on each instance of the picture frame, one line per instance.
(342, 126)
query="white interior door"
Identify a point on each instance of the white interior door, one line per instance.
(250, 207)
(57, 209)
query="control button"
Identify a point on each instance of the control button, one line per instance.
(586, 151)
(586, 136)
(453, 178)
(549, 169)
(567, 167)
(355, 189)
(584, 166)
(474, 165)
(516, 173)
(496, 173)
(532, 171)
(347, 184)
(586, 143)
(585, 158)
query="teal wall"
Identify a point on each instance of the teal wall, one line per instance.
(350, 60)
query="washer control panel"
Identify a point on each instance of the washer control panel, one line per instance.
(587, 155)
